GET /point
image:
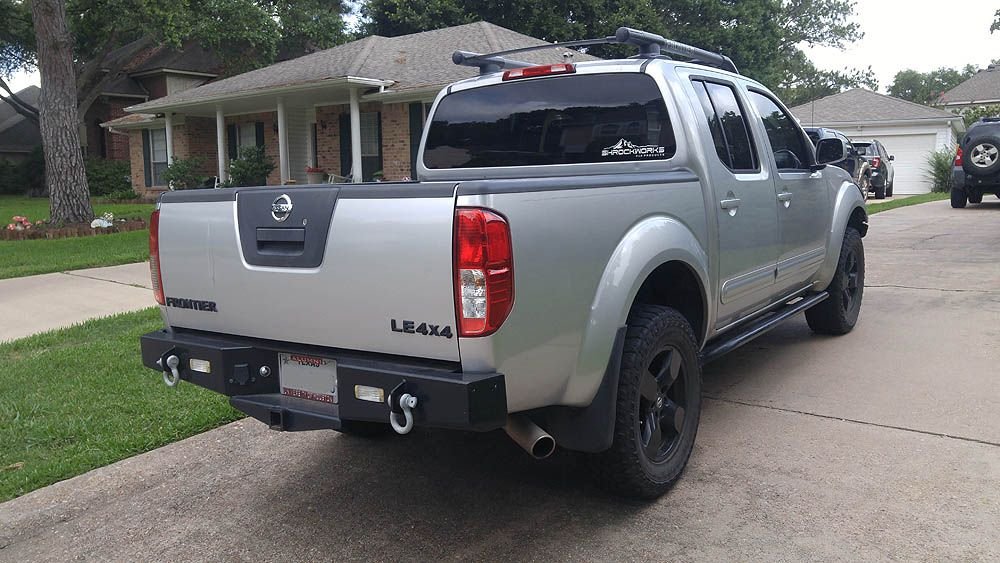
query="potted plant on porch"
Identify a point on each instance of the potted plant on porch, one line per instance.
(315, 175)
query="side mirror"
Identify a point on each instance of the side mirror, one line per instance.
(892, 157)
(830, 150)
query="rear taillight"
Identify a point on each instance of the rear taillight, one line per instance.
(876, 162)
(484, 271)
(543, 70)
(154, 256)
(958, 157)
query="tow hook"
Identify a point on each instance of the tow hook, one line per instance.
(169, 364)
(401, 408)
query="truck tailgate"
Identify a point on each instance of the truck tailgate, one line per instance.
(356, 267)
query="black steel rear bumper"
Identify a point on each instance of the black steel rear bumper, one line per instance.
(447, 397)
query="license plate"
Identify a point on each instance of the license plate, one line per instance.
(308, 377)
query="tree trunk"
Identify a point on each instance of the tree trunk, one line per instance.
(65, 174)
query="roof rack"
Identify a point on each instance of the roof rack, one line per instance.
(651, 46)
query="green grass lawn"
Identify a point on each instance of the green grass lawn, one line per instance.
(79, 398)
(36, 208)
(42, 256)
(874, 208)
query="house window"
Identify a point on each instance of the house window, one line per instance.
(369, 134)
(158, 155)
(248, 135)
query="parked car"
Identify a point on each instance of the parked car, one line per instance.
(854, 163)
(977, 163)
(582, 238)
(882, 172)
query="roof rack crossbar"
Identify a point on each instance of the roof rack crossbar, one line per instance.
(650, 45)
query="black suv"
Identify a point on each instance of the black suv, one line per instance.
(854, 162)
(977, 163)
(881, 163)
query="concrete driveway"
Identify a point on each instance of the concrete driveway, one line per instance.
(884, 444)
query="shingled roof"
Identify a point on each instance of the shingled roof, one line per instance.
(18, 133)
(982, 87)
(860, 105)
(411, 61)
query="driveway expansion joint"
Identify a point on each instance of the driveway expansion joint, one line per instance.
(852, 420)
(75, 275)
(950, 290)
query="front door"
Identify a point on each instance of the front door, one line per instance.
(743, 201)
(801, 197)
(371, 145)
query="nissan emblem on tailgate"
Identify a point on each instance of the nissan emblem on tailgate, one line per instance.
(281, 208)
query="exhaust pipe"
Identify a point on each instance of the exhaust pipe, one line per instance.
(537, 442)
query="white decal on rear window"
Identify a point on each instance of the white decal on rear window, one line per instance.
(625, 147)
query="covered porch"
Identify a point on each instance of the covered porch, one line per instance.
(286, 118)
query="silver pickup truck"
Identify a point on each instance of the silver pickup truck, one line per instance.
(583, 238)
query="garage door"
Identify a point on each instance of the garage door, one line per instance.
(911, 152)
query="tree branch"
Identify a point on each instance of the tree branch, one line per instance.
(20, 106)
(88, 95)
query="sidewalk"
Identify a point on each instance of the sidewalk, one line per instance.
(35, 304)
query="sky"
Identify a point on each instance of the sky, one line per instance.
(898, 34)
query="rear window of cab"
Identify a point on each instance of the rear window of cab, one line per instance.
(588, 118)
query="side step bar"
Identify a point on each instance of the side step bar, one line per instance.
(742, 335)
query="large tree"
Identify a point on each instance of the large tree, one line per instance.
(102, 36)
(763, 37)
(66, 178)
(927, 87)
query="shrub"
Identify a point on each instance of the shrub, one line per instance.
(11, 178)
(106, 177)
(939, 167)
(186, 173)
(33, 173)
(972, 115)
(250, 168)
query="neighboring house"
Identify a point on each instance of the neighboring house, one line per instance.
(18, 134)
(147, 74)
(909, 131)
(981, 89)
(353, 110)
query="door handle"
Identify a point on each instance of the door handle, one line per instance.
(731, 203)
(785, 196)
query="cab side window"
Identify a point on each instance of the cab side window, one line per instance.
(728, 125)
(787, 142)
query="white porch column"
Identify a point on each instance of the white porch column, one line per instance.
(282, 142)
(168, 121)
(356, 175)
(220, 142)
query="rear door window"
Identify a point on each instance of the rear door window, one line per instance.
(729, 128)
(558, 120)
(787, 142)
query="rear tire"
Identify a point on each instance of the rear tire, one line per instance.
(658, 406)
(865, 185)
(958, 198)
(839, 313)
(880, 191)
(975, 197)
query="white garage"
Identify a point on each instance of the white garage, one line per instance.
(909, 131)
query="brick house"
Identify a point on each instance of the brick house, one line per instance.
(353, 110)
(147, 73)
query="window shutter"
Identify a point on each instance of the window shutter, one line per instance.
(378, 118)
(147, 165)
(345, 144)
(233, 139)
(260, 133)
(416, 129)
